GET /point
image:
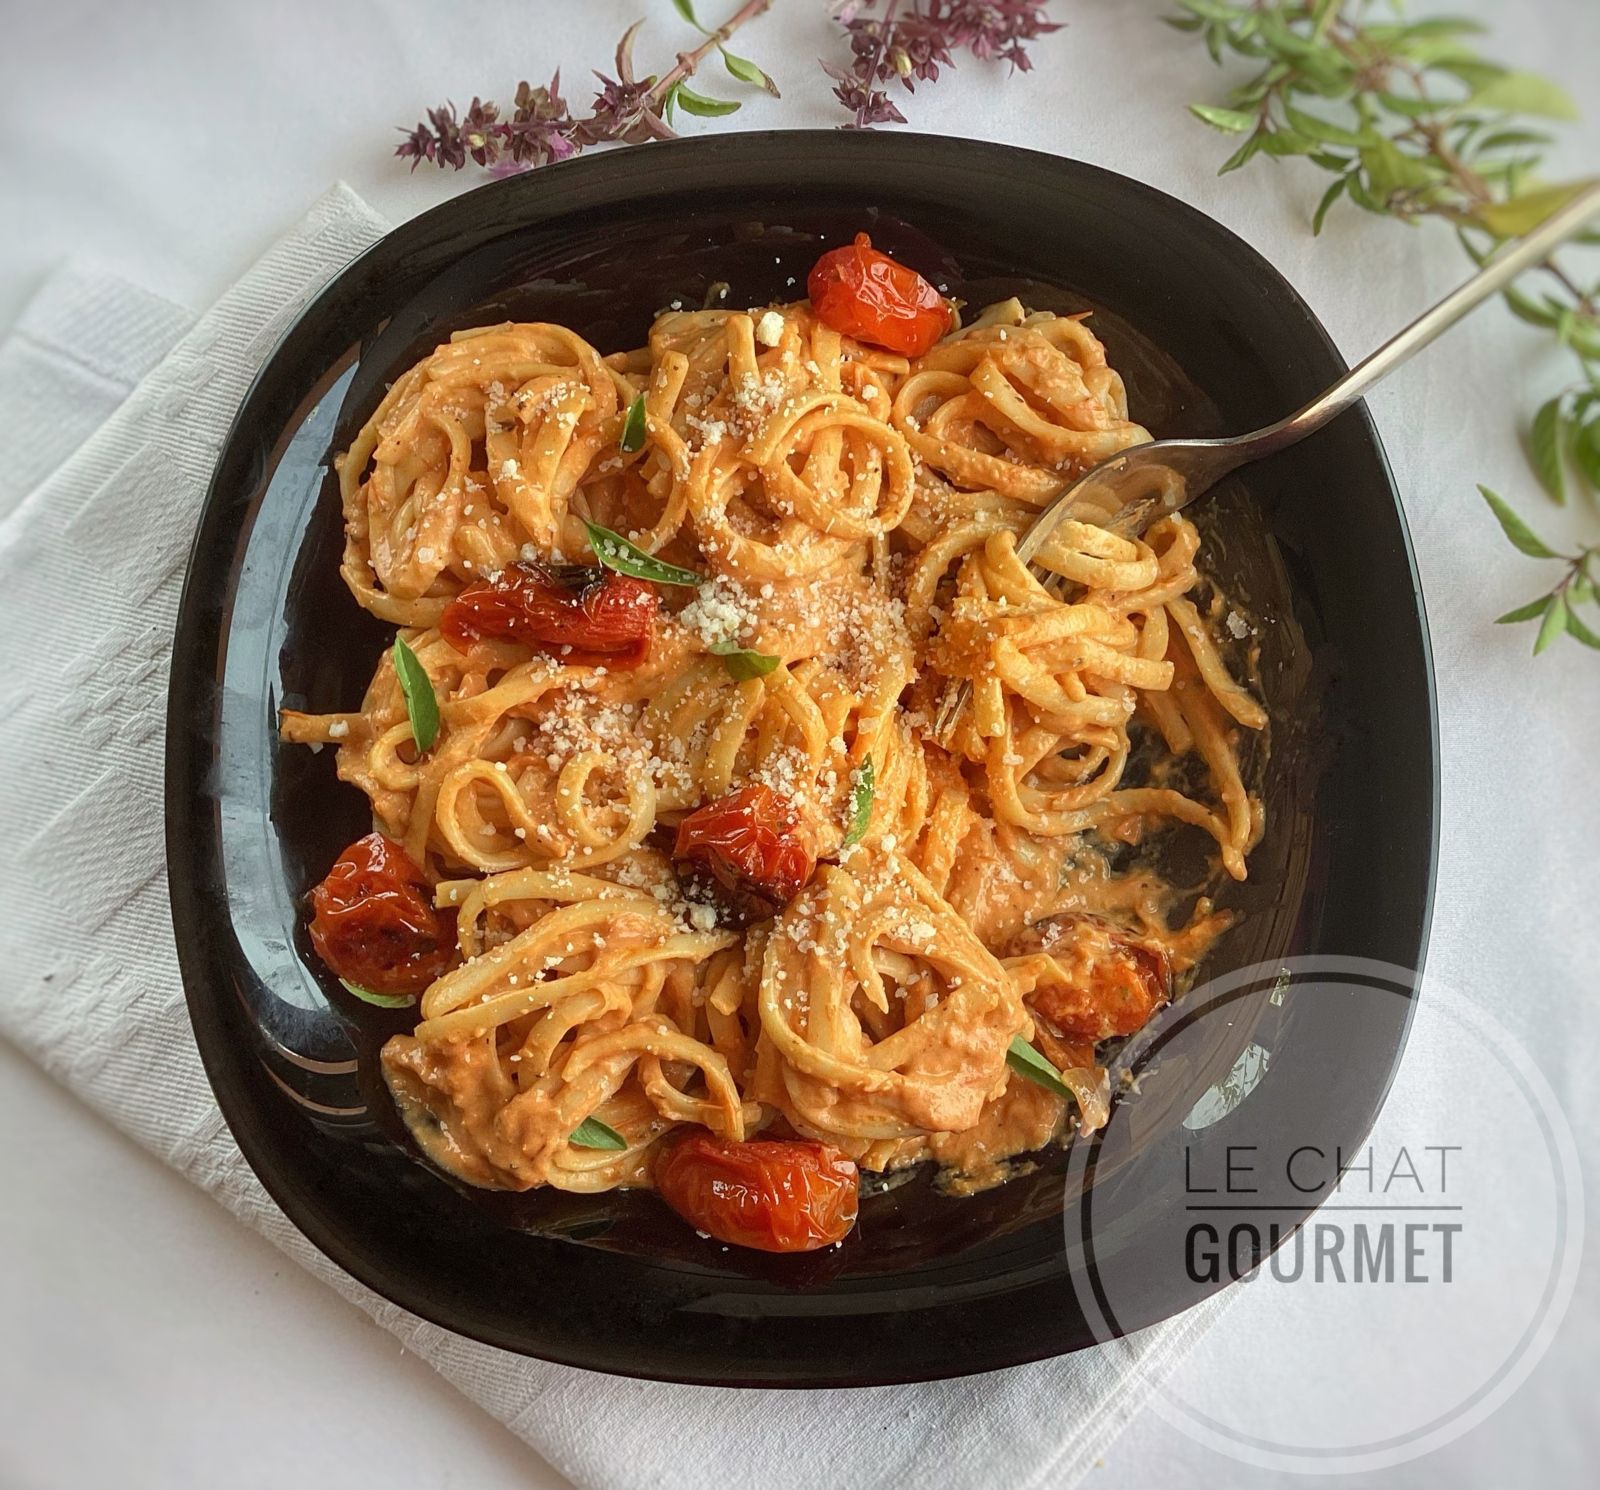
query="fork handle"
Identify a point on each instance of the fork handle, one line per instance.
(1526, 254)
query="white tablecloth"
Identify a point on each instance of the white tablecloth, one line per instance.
(171, 143)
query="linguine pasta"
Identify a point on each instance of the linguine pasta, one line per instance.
(852, 515)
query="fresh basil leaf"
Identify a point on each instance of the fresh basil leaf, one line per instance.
(1526, 308)
(1523, 612)
(1329, 197)
(615, 552)
(591, 1133)
(1576, 628)
(633, 427)
(1522, 214)
(1525, 93)
(862, 790)
(707, 108)
(1323, 130)
(747, 72)
(742, 663)
(382, 1000)
(1233, 121)
(1544, 446)
(422, 704)
(1586, 450)
(1520, 534)
(1555, 622)
(1029, 1064)
(685, 8)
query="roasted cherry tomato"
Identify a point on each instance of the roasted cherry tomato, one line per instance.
(373, 921)
(865, 294)
(1114, 982)
(575, 614)
(776, 1195)
(750, 837)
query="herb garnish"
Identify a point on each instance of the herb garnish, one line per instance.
(1412, 122)
(422, 704)
(382, 1000)
(591, 1133)
(633, 427)
(615, 552)
(742, 663)
(1029, 1064)
(861, 793)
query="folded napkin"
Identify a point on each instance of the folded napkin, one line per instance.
(90, 987)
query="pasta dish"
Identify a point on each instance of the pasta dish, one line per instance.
(682, 880)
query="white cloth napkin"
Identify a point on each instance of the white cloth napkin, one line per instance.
(91, 565)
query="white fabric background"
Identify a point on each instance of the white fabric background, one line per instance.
(173, 141)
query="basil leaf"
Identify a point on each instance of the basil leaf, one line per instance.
(1523, 612)
(742, 663)
(1234, 121)
(707, 108)
(615, 552)
(633, 427)
(1525, 93)
(1329, 197)
(1520, 534)
(1576, 628)
(861, 793)
(1030, 1065)
(382, 1000)
(422, 704)
(1554, 623)
(1544, 445)
(747, 72)
(591, 1133)
(686, 9)
(1522, 214)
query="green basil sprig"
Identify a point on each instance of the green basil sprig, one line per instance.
(615, 552)
(382, 1000)
(422, 704)
(742, 663)
(1029, 1064)
(861, 794)
(591, 1133)
(633, 427)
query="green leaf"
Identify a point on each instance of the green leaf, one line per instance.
(747, 72)
(706, 108)
(633, 427)
(1183, 23)
(1251, 147)
(743, 664)
(685, 8)
(1030, 1065)
(1586, 451)
(422, 704)
(1323, 130)
(1525, 308)
(1576, 628)
(1555, 622)
(862, 790)
(1511, 219)
(1523, 612)
(382, 1000)
(1288, 142)
(1544, 446)
(591, 1133)
(1505, 139)
(1525, 93)
(669, 101)
(1233, 121)
(1390, 170)
(1329, 197)
(1520, 534)
(615, 552)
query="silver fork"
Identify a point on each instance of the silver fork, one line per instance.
(1133, 489)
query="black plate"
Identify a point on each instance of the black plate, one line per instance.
(1211, 340)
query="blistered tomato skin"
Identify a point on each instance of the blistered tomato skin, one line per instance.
(1120, 982)
(865, 294)
(574, 614)
(773, 1195)
(374, 924)
(749, 838)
